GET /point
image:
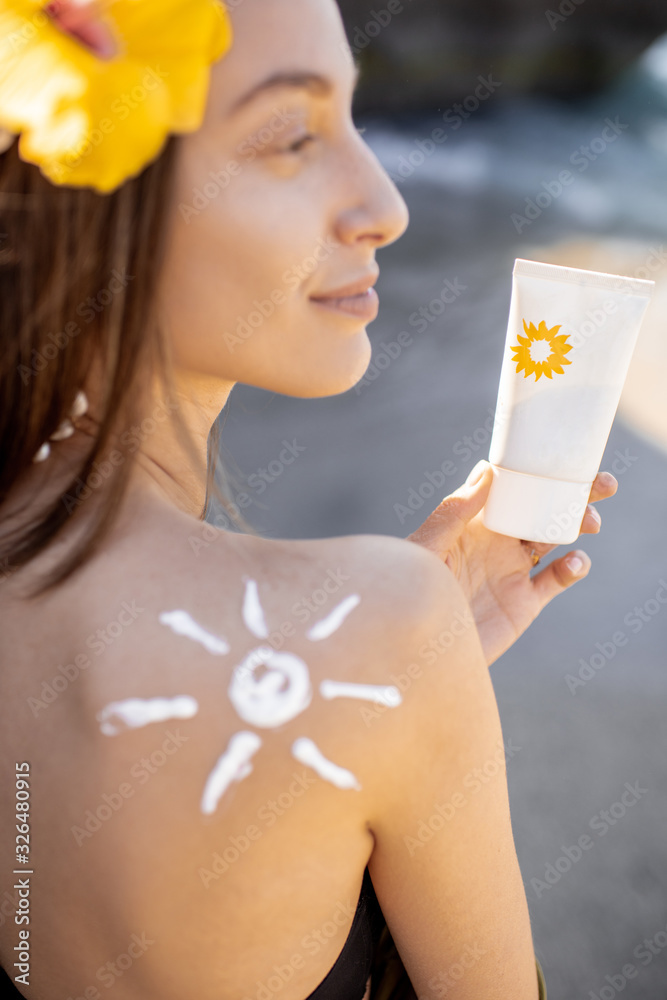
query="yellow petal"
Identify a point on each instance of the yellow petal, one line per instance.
(92, 122)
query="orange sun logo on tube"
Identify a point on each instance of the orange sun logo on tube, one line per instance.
(541, 351)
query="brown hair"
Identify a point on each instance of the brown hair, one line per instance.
(66, 301)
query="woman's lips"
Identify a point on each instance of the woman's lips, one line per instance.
(363, 306)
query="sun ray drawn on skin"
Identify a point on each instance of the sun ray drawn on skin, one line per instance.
(279, 694)
(120, 715)
(184, 624)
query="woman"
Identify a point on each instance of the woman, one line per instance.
(224, 767)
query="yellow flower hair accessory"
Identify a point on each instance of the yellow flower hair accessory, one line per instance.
(93, 115)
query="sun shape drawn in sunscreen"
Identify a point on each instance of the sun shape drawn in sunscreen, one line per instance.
(541, 352)
(279, 694)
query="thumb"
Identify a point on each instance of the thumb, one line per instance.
(448, 520)
(477, 475)
(469, 498)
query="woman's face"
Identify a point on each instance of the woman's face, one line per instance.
(278, 200)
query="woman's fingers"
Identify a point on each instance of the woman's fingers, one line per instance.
(592, 521)
(560, 574)
(604, 486)
(591, 524)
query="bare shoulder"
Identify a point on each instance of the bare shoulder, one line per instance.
(300, 645)
(405, 587)
(358, 588)
(355, 608)
(420, 640)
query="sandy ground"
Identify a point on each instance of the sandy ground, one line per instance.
(432, 402)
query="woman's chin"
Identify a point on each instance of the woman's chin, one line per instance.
(316, 369)
(329, 373)
(335, 376)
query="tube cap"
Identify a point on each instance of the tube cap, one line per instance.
(535, 508)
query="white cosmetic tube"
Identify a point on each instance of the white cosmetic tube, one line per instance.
(569, 342)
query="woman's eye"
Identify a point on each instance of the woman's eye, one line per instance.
(295, 147)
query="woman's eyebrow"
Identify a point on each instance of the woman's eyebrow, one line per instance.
(314, 83)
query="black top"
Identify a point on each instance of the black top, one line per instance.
(348, 977)
(8, 990)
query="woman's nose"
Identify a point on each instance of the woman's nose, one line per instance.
(377, 211)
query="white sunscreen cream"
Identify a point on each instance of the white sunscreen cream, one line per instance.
(281, 693)
(135, 712)
(383, 694)
(233, 765)
(182, 623)
(309, 754)
(253, 614)
(570, 338)
(333, 621)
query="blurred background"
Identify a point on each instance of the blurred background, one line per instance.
(520, 92)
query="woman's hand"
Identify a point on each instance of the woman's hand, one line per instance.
(494, 570)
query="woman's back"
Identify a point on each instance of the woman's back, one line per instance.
(164, 872)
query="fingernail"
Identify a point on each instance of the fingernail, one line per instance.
(594, 514)
(575, 564)
(476, 473)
